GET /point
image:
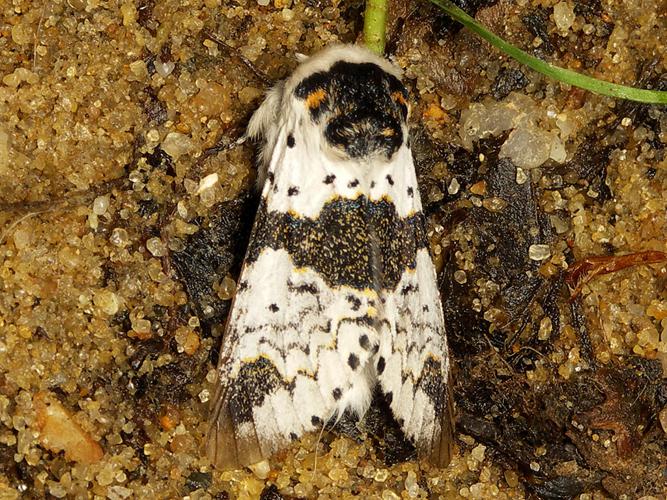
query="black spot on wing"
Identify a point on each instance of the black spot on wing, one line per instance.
(411, 191)
(292, 191)
(353, 184)
(364, 342)
(390, 180)
(381, 365)
(316, 421)
(290, 141)
(274, 308)
(308, 288)
(353, 361)
(329, 179)
(337, 393)
(355, 301)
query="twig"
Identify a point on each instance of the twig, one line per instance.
(235, 52)
(585, 270)
(37, 33)
(375, 25)
(73, 198)
(18, 221)
(560, 74)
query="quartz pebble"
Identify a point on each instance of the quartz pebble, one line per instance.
(528, 147)
(521, 176)
(539, 252)
(663, 419)
(454, 186)
(156, 247)
(58, 431)
(101, 205)
(164, 69)
(176, 144)
(261, 469)
(564, 15)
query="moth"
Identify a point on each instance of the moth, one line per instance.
(337, 296)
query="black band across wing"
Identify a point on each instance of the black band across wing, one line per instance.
(357, 243)
(255, 381)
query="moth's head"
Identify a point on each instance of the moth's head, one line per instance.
(356, 101)
(352, 99)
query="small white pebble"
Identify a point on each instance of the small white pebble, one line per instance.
(539, 252)
(411, 485)
(454, 186)
(261, 469)
(564, 15)
(381, 475)
(119, 237)
(521, 176)
(207, 183)
(101, 205)
(164, 69)
(156, 247)
(460, 276)
(153, 135)
(478, 452)
(546, 328)
(390, 495)
(176, 144)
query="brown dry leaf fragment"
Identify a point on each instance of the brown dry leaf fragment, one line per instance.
(584, 270)
(58, 431)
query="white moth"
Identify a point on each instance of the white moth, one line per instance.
(338, 294)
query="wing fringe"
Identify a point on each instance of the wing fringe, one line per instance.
(225, 447)
(442, 445)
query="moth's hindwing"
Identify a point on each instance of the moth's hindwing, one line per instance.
(338, 292)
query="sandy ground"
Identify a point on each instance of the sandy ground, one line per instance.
(116, 270)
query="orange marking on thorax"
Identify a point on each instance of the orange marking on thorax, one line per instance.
(314, 99)
(398, 97)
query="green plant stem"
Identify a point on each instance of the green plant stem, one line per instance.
(375, 24)
(560, 74)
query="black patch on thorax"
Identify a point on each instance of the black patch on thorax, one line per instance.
(363, 107)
